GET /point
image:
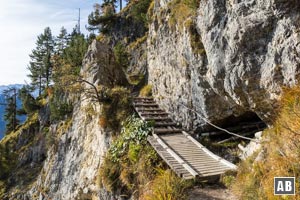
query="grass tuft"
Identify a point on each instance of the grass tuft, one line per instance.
(279, 156)
(146, 91)
(167, 186)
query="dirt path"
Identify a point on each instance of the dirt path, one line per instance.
(210, 192)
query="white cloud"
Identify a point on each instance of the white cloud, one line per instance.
(21, 21)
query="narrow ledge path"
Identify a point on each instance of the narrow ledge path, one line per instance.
(184, 155)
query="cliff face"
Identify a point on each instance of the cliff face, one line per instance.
(230, 60)
(250, 50)
(71, 168)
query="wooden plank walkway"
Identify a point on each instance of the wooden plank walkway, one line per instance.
(185, 155)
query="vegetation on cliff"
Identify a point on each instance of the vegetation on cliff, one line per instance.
(278, 157)
(13, 173)
(131, 167)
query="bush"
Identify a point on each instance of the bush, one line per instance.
(181, 10)
(139, 11)
(118, 108)
(228, 178)
(130, 161)
(10, 154)
(59, 109)
(281, 152)
(121, 55)
(146, 91)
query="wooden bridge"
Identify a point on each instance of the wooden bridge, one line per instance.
(185, 155)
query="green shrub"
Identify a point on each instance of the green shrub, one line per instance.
(133, 152)
(134, 131)
(139, 11)
(228, 178)
(130, 161)
(118, 108)
(59, 109)
(121, 55)
(9, 155)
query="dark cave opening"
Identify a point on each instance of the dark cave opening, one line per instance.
(246, 124)
(225, 144)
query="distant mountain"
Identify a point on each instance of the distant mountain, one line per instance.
(2, 108)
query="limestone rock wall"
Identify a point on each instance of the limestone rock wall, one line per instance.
(251, 51)
(71, 168)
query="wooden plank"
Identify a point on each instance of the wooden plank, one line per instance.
(164, 124)
(187, 177)
(145, 105)
(143, 98)
(196, 157)
(187, 167)
(207, 165)
(141, 109)
(157, 118)
(183, 148)
(204, 166)
(201, 159)
(188, 150)
(210, 170)
(213, 171)
(210, 174)
(184, 155)
(175, 170)
(154, 113)
(178, 169)
(166, 131)
(206, 169)
(209, 152)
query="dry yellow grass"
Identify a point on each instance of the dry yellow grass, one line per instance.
(166, 186)
(146, 91)
(281, 154)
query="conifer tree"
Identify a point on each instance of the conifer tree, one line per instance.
(75, 51)
(103, 16)
(29, 104)
(61, 41)
(40, 66)
(67, 66)
(10, 115)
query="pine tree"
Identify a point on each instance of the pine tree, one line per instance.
(74, 53)
(10, 115)
(67, 66)
(61, 41)
(29, 104)
(40, 66)
(103, 16)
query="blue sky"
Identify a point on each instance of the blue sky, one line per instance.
(21, 21)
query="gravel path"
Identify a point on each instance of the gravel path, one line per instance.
(210, 192)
